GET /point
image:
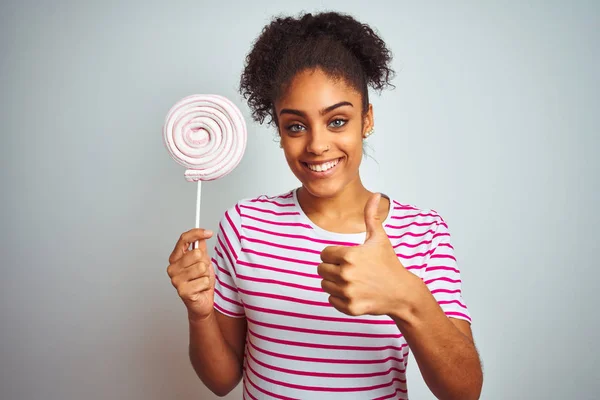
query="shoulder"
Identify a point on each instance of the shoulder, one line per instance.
(410, 216)
(265, 201)
(261, 205)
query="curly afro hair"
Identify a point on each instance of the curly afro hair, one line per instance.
(341, 46)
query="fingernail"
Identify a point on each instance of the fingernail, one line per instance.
(208, 232)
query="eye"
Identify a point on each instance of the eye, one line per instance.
(338, 123)
(295, 128)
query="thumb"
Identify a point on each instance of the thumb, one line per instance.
(372, 219)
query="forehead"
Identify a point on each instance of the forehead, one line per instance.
(314, 89)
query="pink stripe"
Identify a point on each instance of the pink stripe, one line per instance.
(284, 298)
(410, 224)
(443, 256)
(266, 221)
(319, 317)
(228, 299)
(230, 246)
(326, 242)
(415, 215)
(281, 246)
(217, 264)
(412, 234)
(451, 302)
(281, 270)
(322, 332)
(276, 282)
(246, 391)
(326, 346)
(416, 267)
(288, 259)
(393, 394)
(446, 245)
(237, 234)
(404, 207)
(227, 312)
(225, 251)
(319, 388)
(445, 291)
(266, 391)
(224, 284)
(412, 245)
(458, 314)
(415, 255)
(326, 374)
(437, 235)
(444, 269)
(281, 196)
(264, 210)
(272, 202)
(442, 278)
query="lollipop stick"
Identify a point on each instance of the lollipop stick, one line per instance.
(198, 196)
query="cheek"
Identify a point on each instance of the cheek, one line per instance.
(353, 147)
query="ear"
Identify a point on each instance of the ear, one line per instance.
(368, 121)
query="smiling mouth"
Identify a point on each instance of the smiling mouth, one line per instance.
(322, 167)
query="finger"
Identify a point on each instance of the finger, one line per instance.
(211, 274)
(186, 238)
(191, 273)
(372, 219)
(339, 304)
(334, 254)
(347, 307)
(192, 257)
(330, 272)
(333, 288)
(187, 290)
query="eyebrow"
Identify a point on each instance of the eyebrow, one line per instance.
(322, 112)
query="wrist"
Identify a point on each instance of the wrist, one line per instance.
(406, 309)
(195, 319)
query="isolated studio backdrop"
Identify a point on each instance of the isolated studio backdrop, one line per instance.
(494, 123)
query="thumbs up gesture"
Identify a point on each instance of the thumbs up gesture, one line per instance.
(369, 278)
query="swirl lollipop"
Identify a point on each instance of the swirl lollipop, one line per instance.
(207, 135)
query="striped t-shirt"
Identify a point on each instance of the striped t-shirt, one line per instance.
(297, 345)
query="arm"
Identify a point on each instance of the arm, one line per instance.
(217, 323)
(443, 347)
(217, 343)
(217, 351)
(370, 279)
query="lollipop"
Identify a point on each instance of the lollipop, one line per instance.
(207, 135)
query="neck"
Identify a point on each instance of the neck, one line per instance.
(349, 201)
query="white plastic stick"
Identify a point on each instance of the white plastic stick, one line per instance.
(198, 197)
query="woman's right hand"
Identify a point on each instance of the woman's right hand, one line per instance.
(192, 274)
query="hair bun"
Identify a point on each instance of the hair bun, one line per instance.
(336, 42)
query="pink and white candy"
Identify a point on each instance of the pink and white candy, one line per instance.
(206, 134)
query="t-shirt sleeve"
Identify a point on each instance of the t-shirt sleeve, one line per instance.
(442, 275)
(224, 259)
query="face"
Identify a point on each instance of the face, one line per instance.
(322, 126)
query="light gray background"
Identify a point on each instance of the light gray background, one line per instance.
(494, 123)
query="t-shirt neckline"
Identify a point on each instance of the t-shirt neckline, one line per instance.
(348, 237)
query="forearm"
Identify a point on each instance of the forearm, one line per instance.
(214, 361)
(447, 358)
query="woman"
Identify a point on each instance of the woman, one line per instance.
(321, 291)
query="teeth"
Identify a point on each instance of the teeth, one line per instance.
(323, 167)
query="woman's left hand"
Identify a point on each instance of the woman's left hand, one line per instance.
(369, 278)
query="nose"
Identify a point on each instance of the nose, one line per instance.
(318, 142)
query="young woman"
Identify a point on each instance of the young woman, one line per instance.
(321, 292)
